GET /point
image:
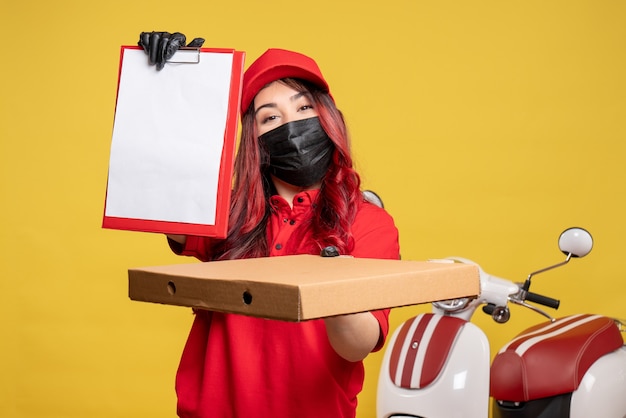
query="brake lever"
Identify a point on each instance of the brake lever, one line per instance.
(531, 307)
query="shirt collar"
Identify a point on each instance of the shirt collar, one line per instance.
(305, 198)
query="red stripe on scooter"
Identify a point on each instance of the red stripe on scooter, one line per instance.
(439, 347)
(409, 361)
(396, 352)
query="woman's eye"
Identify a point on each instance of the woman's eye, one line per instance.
(305, 107)
(268, 118)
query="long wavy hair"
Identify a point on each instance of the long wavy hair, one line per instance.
(338, 199)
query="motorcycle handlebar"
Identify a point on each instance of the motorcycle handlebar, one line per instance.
(543, 300)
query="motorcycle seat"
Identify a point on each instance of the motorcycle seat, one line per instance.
(551, 358)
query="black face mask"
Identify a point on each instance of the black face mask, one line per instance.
(300, 151)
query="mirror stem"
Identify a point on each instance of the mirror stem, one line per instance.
(527, 282)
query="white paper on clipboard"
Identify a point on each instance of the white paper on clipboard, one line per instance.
(168, 136)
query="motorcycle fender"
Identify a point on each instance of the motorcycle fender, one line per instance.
(461, 390)
(601, 392)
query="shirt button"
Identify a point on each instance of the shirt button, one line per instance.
(292, 222)
(300, 199)
(279, 246)
(285, 220)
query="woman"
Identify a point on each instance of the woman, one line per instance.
(295, 192)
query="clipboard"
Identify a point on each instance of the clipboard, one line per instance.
(173, 142)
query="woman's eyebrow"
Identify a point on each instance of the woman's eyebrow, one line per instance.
(297, 96)
(270, 105)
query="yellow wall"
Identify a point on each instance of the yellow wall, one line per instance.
(488, 127)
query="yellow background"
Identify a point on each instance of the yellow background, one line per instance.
(487, 126)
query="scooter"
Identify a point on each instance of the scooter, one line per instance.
(437, 364)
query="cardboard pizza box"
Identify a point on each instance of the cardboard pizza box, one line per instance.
(302, 287)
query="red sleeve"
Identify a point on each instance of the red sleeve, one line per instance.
(194, 246)
(382, 316)
(376, 236)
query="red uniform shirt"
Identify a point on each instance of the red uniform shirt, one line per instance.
(239, 366)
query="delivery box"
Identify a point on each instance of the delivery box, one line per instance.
(302, 287)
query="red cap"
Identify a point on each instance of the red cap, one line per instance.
(275, 64)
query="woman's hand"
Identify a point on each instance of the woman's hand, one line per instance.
(161, 46)
(353, 336)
